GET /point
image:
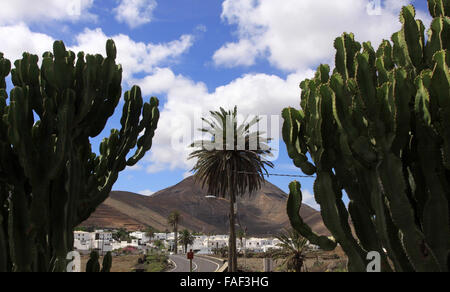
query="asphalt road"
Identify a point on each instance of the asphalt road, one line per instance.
(199, 264)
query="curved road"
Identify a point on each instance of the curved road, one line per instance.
(199, 264)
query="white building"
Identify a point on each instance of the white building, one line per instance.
(82, 240)
(203, 244)
(163, 236)
(142, 236)
(98, 239)
(103, 235)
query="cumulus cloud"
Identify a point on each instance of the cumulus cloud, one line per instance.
(135, 12)
(13, 12)
(242, 53)
(296, 35)
(135, 57)
(21, 38)
(188, 101)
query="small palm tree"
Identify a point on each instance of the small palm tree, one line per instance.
(292, 250)
(186, 238)
(231, 163)
(241, 234)
(149, 232)
(173, 220)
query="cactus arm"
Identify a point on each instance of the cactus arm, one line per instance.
(5, 68)
(331, 211)
(439, 8)
(346, 48)
(437, 38)
(396, 248)
(19, 231)
(436, 204)
(414, 240)
(150, 117)
(436, 207)
(412, 34)
(293, 210)
(440, 91)
(360, 211)
(291, 126)
(403, 94)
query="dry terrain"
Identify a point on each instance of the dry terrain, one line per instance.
(316, 261)
(122, 263)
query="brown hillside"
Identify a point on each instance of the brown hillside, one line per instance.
(262, 213)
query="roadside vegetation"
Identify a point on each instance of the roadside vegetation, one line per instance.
(157, 262)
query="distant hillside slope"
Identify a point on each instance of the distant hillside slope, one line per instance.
(262, 213)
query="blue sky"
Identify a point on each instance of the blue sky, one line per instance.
(197, 55)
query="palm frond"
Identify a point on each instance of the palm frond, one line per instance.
(221, 165)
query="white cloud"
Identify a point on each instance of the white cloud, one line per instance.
(308, 199)
(242, 53)
(296, 35)
(135, 12)
(188, 100)
(135, 57)
(13, 12)
(21, 39)
(146, 193)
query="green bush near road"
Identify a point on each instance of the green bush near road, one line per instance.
(157, 262)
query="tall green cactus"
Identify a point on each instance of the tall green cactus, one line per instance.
(92, 265)
(50, 180)
(378, 131)
(107, 263)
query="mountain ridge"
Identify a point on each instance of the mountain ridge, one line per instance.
(261, 213)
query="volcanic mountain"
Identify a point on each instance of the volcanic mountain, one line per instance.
(261, 213)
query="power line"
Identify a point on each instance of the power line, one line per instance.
(278, 174)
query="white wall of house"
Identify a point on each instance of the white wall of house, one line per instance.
(103, 240)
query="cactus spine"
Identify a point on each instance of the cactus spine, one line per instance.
(378, 129)
(50, 180)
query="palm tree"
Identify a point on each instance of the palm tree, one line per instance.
(186, 238)
(292, 249)
(149, 232)
(241, 234)
(231, 163)
(158, 244)
(173, 220)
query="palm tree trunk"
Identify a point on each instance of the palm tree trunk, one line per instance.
(176, 239)
(232, 259)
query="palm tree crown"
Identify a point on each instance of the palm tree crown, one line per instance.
(292, 248)
(186, 238)
(233, 161)
(174, 219)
